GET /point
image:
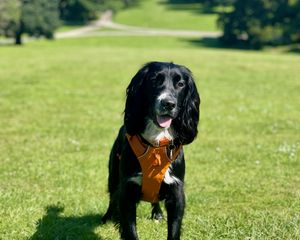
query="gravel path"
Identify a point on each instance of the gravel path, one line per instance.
(123, 30)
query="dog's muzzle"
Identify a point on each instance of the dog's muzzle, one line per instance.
(165, 109)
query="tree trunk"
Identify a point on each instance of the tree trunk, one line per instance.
(18, 38)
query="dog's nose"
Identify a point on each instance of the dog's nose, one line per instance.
(168, 104)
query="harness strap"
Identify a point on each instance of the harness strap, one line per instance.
(154, 162)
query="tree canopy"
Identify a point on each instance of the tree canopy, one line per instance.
(33, 17)
(261, 22)
(10, 15)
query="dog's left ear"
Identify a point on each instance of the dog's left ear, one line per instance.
(134, 107)
(187, 122)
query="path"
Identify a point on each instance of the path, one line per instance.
(123, 30)
(106, 22)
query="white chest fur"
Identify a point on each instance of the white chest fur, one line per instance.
(153, 134)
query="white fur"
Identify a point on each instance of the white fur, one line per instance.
(162, 96)
(169, 179)
(153, 134)
(136, 179)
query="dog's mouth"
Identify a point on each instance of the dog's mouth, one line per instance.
(164, 121)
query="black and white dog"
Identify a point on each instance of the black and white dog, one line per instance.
(162, 102)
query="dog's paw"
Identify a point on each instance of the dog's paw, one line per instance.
(157, 216)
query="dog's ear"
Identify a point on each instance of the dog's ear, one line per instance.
(134, 113)
(187, 122)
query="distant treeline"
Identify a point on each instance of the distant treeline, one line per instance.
(256, 23)
(42, 17)
(251, 23)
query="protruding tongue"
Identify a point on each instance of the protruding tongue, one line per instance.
(164, 121)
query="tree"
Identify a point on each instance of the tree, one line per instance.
(35, 17)
(292, 24)
(83, 11)
(38, 18)
(77, 10)
(260, 22)
(10, 14)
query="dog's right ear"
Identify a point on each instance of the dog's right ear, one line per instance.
(135, 107)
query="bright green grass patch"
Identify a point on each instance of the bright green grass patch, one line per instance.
(61, 106)
(161, 14)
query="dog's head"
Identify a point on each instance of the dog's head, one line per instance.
(166, 94)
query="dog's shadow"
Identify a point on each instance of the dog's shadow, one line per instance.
(55, 226)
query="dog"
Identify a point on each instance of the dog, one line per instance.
(161, 115)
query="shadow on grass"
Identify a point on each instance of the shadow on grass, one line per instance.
(195, 6)
(54, 226)
(294, 49)
(216, 43)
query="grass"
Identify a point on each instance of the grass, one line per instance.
(61, 106)
(68, 26)
(162, 14)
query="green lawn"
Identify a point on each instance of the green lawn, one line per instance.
(162, 14)
(61, 106)
(66, 27)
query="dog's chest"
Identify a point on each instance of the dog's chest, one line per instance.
(154, 134)
(155, 162)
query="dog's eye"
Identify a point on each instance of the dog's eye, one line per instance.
(159, 80)
(180, 84)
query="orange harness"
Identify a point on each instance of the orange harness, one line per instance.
(154, 162)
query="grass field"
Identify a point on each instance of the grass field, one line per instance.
(61, 106)
(163, 14)
(68, 27)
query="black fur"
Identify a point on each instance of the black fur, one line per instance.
(181, 103)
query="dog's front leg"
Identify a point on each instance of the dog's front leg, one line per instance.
(175, 203)
(129, 197)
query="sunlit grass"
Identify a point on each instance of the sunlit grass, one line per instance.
(162, 14)
(61, 106)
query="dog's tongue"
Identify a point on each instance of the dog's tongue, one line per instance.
(164, 121)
